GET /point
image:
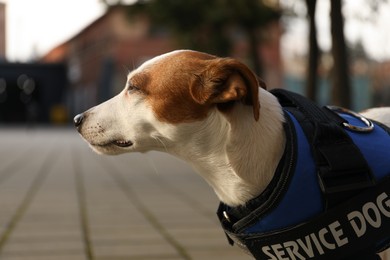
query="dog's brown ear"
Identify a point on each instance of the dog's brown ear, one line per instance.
(225, 80)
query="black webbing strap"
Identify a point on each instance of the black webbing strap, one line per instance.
(357, 227)
(342, 170)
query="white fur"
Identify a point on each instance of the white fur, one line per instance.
(380, 114)
(226, 154)
(159, 58)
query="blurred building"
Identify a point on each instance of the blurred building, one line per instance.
(381, 84)
(99, 57)
(2, 31)
(32, 93)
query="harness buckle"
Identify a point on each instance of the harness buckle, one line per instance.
(342, 171)
(344, 181)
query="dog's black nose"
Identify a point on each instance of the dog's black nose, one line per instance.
(77, 120)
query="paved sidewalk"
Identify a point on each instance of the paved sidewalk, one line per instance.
(59, 200)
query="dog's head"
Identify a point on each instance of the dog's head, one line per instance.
(177, 88)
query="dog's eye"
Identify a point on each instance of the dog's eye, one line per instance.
(132, 88)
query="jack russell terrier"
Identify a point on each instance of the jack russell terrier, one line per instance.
(217, 115)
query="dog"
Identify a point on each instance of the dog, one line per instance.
(212, 112)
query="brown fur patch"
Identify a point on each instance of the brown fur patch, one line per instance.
(184, 86)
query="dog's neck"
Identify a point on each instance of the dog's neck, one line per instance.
(237, 156)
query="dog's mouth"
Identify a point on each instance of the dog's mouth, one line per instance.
(122, 143)
(119, 143)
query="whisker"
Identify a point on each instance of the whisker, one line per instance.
(126, 69)
(133, 63)
(158, 139)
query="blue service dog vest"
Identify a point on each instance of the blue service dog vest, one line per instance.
(330, 197)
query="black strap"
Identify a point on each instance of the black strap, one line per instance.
(360, 226)
(342, 170)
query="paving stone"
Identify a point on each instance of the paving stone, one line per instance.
(44, 257)
(121, 249)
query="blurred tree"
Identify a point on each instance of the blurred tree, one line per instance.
(356, 51)
(341, 86)
(314, 52)
(112, 2)
(341, 83)
(210, 25)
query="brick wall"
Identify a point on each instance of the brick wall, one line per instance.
(2, 30)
